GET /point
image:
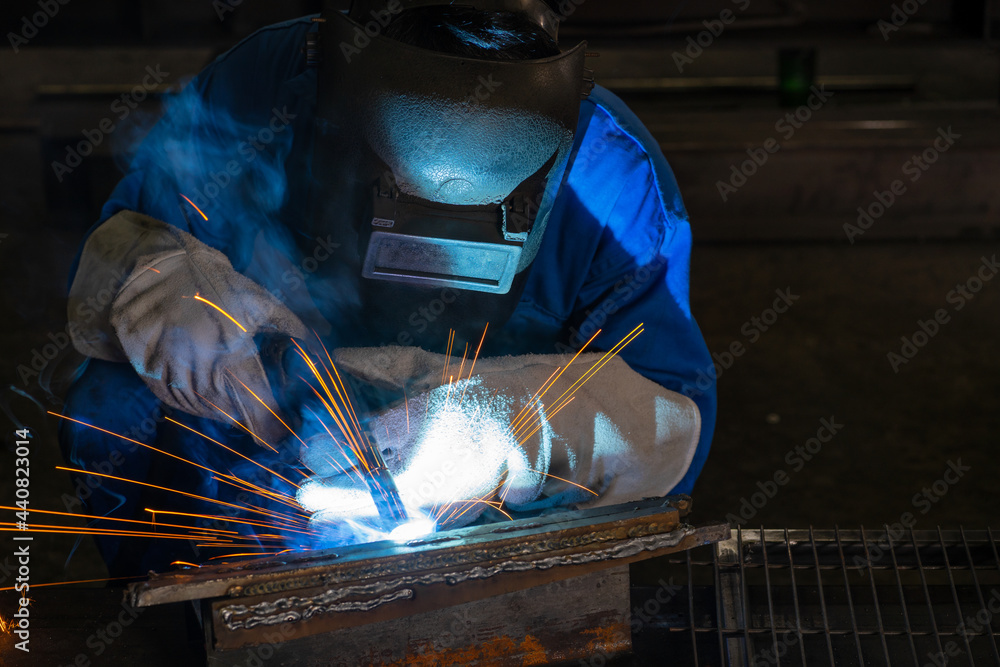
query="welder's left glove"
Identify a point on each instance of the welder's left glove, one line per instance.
(623, 437)
(178, 311)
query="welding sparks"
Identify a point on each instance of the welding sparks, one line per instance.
(463, 427)
(462, 447)
(195, 207)
(199, 297)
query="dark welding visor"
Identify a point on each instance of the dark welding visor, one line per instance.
(459, 158)
(476, 248)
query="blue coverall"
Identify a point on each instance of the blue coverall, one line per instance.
(615, 254)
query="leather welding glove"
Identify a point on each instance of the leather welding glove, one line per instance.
(134, 299)
(623, 437)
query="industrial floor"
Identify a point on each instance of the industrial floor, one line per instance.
(897, 433)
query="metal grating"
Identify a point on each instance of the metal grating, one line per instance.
(826, 597)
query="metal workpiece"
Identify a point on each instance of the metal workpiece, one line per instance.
(312, 593)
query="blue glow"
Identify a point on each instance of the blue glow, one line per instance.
(412, 530)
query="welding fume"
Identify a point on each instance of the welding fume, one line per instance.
(380, 272)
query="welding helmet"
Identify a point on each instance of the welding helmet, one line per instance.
(438, 171)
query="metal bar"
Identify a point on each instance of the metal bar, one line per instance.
(979, 593)
(996, 559)
(850, 598)
(878, 607)
(718, 603)
(795, 598)
(730, 592)
(954, 593)
(770, 598)
(902, 597)
(694, 635)
(744, 598)
(927, 593)
(822, 599)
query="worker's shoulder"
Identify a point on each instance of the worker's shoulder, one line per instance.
(251, 77)
(615, 136)
(273, 38)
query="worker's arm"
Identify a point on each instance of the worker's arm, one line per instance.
(620, 438)
(156, 297)
(638, 271)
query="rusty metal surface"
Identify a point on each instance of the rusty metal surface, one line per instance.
(458, 550)
(579, 618)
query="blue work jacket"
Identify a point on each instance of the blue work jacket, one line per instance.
(237, 143)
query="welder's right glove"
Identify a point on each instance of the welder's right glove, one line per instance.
(140, 295)
(480, 440)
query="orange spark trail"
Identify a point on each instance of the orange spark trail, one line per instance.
(266, 553)
(474, 360)
(80, 581)
(253, 508)
(564, 480)
(108, 518)
(247, 522)
(198, 297)
(587, 376)
(62, 530)
(237, 422)
(195, 207)
(437, 515)
(246, 458)
(346, 469)
(342, 390)
(215, 473)
(472, 503)
(262, 402)
(461, 368)
(447, 354)
(159, 451)
(526, 408)
(243, 485)
(343, 422)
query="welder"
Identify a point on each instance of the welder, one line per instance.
(391, 180)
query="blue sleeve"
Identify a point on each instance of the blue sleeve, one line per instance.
(214, 163)
(639, 275)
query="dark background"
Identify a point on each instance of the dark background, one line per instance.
(824, 359)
